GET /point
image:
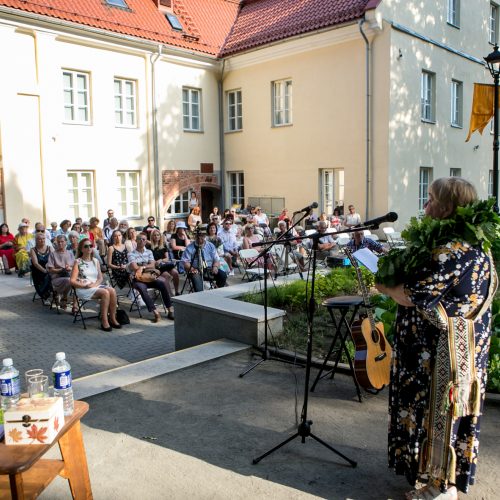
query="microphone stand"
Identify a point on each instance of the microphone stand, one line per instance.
(265, 253)
(304, 428)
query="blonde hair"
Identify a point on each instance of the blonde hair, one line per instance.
(452, 192)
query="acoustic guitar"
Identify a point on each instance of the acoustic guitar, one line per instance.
(372, 360)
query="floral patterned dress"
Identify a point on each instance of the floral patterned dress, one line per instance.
(119, 258)
(457, 278)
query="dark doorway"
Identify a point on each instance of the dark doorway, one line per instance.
(210, 197)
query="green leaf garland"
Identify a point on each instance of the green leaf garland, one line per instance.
(477, 224)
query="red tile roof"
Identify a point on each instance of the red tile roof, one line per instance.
(264, 21)
(206, 22)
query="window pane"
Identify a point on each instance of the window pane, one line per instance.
(68, 114)
(81, 82)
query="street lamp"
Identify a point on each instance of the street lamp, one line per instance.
(493, 64)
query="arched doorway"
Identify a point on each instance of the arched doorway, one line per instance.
(210, 197)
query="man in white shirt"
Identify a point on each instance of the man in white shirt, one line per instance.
(228, 239)
(352, 218)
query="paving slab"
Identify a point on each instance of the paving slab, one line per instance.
(192, 434)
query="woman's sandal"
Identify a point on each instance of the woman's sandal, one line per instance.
(116, 325)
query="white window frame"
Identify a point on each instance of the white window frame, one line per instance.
(191, 110)
(76, 95)
(237, 188)
(125, 102)
(132, 187)
(428, 96)
(455, 172)
(180, 202)
(282, 98)
(85, 210)
(457, 99)
(453, 13)
(424, 181)
(493, 24)
(234, 111)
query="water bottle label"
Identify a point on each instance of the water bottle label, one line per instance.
(9, 386)
(62, 380)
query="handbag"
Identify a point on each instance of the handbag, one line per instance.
(146, 275)
(122, 317)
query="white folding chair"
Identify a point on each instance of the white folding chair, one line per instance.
(254, 272)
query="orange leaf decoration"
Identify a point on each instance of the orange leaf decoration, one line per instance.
(37, 434)
(16, 435)
(56, 424)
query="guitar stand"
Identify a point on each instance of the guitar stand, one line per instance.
(344, 305)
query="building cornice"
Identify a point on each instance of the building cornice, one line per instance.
(302, 43)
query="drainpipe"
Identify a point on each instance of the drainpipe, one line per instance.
(221, 139)
(158, 198)
(367, 124)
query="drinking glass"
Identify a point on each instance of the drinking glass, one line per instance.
(36, 372)
(38, 387)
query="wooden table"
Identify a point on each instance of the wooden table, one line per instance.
(24, 474)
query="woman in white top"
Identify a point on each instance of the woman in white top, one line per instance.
(194, 218)
(130, 243)
(86, 278)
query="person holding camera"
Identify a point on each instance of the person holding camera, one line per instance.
(201, 262)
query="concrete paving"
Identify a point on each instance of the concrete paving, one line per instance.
(192, 434)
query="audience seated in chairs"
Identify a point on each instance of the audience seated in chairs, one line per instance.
(7, 248)
(180, 240)
(117, 260)
(59, 265)
(86, 279)
(39, 255)
(21, 254)
(163, 261)
(204, 268)
(143, 258)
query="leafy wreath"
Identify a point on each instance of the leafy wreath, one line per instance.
(476, 223)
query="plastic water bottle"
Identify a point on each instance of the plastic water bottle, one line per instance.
(61, 374)
(9, 382)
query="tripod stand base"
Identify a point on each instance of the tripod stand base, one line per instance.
(266, 356)
(303, 431)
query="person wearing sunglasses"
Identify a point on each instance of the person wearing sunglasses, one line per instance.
(86, 278)
(150, 227)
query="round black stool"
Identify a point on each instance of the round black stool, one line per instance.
(343, 304)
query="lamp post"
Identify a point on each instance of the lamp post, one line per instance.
(493, 64)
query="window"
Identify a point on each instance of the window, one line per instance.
(76, 97)
(125, 103)
(81, 195)
(191, 103)
(174, 21)
(490, 184)
(455, 172)
(456, 103)
(332, 189)
(453, 13)
(282, 102)
(180, 206)
(427, 96)
(117, 3)
(234, 110)
(237, 186)
(493, 23)
(423, 186)
(128, 191)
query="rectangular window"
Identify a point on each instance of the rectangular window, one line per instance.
(282, 102)
(453, 13)
(427, 96)
(125, 103)
(456, 103)
(490, 184)
(234, 110)
(81, 195)
(180, 206)
(129, 194)
(332, 189)
(493, 23)
(237, 186)
(76, 97)
(191, 109)
(424, 182)
(455, 172)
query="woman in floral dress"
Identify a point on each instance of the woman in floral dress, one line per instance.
(440, 357)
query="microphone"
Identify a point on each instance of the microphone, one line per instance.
(390, 217)
(314, 204)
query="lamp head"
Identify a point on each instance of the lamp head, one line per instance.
(493, 61)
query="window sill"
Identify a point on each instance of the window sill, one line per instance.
(430, 122)
(234, 131)
(282, 125)
(193, 131)
(86, 124)
(456, 125)
(129, 127)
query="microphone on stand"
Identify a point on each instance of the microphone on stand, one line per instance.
(389, 217)
(314, 204)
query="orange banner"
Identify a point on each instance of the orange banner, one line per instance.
(482, 107)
